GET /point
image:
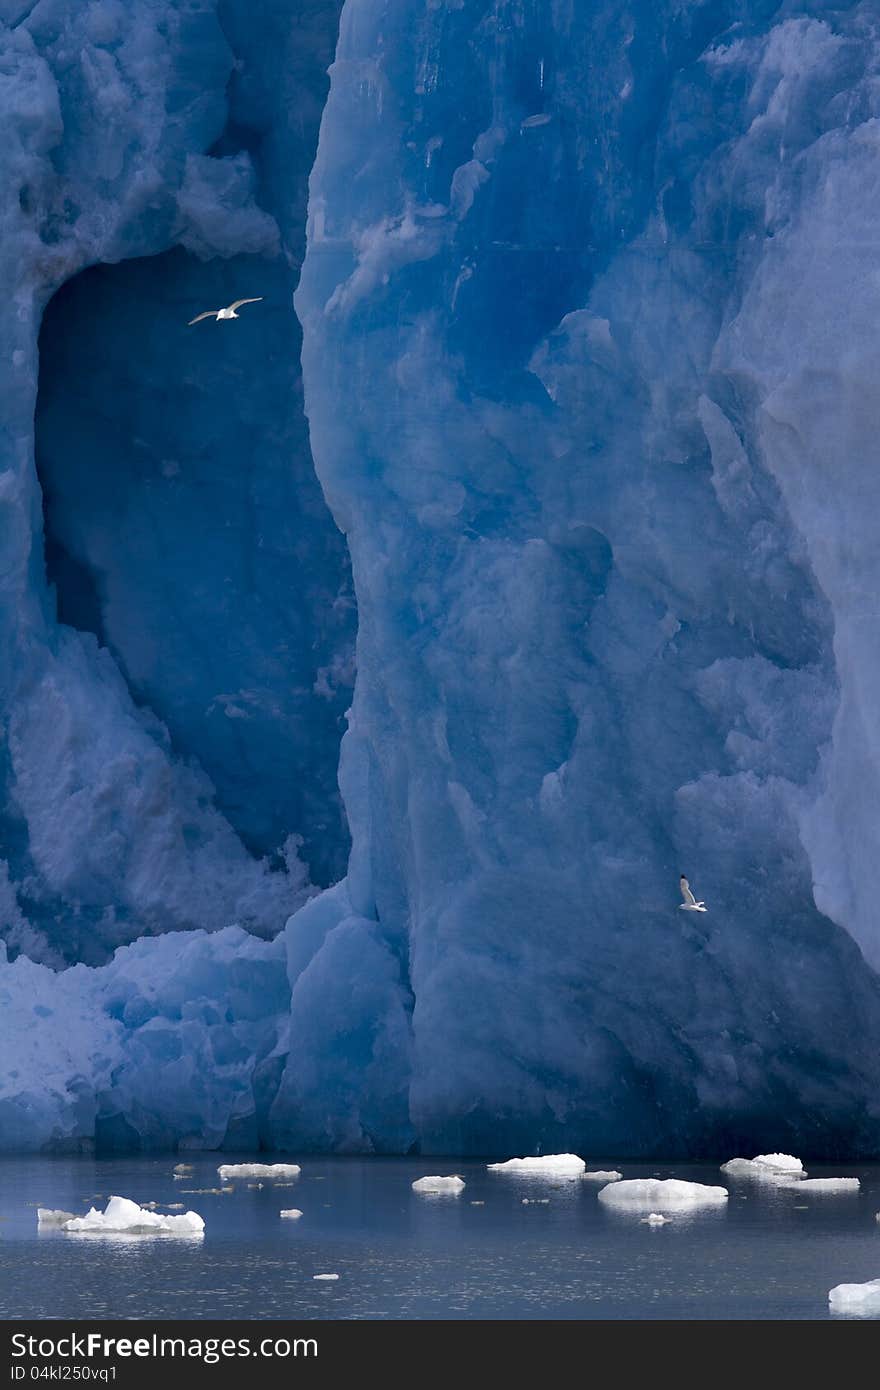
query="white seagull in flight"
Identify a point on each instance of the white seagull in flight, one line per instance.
(690, 903)
(227, 313)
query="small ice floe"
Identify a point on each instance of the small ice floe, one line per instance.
(259, 1170)
(182, 1170)
(258, 1185)
(173, 1206)
(858, 1300)
(825, 1185)
(124, 1216)
(536, 1201)
(325, 1276)
(292, 1214)
(655, 1218)
(204, 1191)
(540, 118)
(771, 1167)
(46, 1216)
(598, 1175)
(546, 1166)
(452, 1185)
(659, 1195)
(482, 1204)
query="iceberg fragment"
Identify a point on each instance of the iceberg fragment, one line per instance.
(292, 1214)
(547, 1166)
(661, 1195)
(857, 1300)
(772, 1167)
(259, 1170)
(47, 1217)
(435, 1185)
(122, 1216)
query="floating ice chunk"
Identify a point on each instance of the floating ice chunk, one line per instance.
(325, 1276)
(453, 1184)
(856, 1299)
(536, 1201)
(767, 1166)
(292, 1214)
(598, 1175)
(182, 1170)
(548, 1165)
(655, 1219)
(828, 1185)
(47, 1217)
(259, 1170)
(658, 1195)
(123, 1215)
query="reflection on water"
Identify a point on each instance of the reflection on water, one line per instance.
(505, 1247)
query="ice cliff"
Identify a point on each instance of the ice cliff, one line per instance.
(589, 356)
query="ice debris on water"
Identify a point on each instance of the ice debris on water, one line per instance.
(548, 1165)
(292, 1214)
(259, 1170)
(325, 1276)
(661, 1195)
(858, 1300)
(46, 1216)
(655, 1218)
(435, 1184)
(598, 1175)
(772, 1167)
(123, 1215)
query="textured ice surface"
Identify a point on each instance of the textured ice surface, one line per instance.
(661, 1195)
(47, 1216)
(856, 1299)
(599, 1175)
(771, 1167)
(124, 1216)
(589, 355)
(549, 1165)
(259, 1170)
(452, 1185)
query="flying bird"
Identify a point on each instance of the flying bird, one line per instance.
(690, 903)
(227, 313)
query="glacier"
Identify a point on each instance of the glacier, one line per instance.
(569, 523)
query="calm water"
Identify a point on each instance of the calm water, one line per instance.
(769, 1254)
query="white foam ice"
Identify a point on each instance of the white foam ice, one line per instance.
(661, 1195)
(259, 1170)
(124, 1216)
(434, 1184)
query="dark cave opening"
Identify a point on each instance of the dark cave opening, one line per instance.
(186, 529)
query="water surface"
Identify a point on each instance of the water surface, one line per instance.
(771, 1253)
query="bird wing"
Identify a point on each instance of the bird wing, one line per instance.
(208, 314)
(686, 890)
(238, 302)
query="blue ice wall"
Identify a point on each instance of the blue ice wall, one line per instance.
(575, 270)
(589, 346)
